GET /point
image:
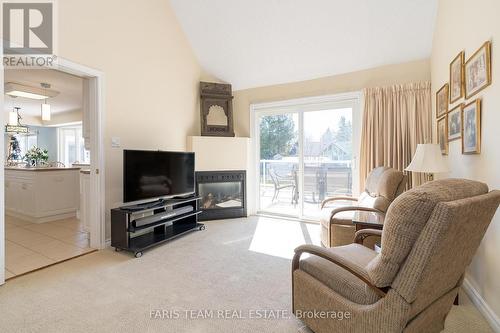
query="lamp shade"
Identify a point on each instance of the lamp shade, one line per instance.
(428, 159)
(45, 112)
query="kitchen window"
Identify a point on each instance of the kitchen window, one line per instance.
(71, 147)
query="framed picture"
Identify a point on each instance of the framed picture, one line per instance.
(478, 71)
(457, 78)
(455, 123)
(471, 122)
(442, 101)
(442, 133)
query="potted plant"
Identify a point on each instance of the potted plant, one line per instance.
(36, 156)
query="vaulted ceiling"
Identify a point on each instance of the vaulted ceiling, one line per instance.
(252, 43)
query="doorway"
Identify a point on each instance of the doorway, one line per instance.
(95, 185)
(305, 151)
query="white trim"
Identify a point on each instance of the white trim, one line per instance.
(2, 181)
(97, 184)
(314, 100)
(301, 170)
(300, 105)
(253, 169)
(482, 306)
(97, 157)
(74, 123)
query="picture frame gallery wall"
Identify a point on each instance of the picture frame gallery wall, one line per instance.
(463, 120)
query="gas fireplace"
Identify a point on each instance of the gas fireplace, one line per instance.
(223, 194)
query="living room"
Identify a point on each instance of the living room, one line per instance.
(273, 108)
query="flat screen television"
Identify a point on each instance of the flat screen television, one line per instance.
(150, 175)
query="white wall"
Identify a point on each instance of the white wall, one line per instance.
(151, 75)
(466, 25)
(415, 71)
(47, 139)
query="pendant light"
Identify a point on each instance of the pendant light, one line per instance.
(13, 115)
(14, 126)
(13, 118)
(45, 106)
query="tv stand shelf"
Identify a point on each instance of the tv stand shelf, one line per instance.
(125, 235)
(164, 222)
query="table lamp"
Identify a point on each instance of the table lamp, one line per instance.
(429, 160)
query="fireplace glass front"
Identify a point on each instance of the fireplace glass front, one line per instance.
(222, 194)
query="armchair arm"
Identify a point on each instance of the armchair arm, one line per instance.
(327, 200)
(337, 260)
(353, 208)
(360, 235)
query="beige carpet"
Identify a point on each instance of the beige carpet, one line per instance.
(238, 266)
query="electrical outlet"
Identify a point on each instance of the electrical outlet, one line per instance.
(115, 142)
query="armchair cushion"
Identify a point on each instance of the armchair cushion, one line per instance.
(389, 183)
(382, 187)
(373, 179)
(344, 217)
(379, 203)
(340, 280)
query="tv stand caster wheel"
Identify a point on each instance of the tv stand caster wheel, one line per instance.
(138, 254)
(117, 249)
(202, 227)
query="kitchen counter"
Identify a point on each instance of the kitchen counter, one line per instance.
(41, 168)
(41, 195)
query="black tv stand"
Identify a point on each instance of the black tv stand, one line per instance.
(143, 206)
(163, 223)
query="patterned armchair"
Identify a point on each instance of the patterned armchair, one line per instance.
(429, 238)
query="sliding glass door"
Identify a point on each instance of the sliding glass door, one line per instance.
(279, 163)
(327, 161)
(305, 153)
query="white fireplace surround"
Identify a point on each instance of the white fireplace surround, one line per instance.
(214, 153)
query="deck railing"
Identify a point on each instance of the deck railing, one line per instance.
(321, 178)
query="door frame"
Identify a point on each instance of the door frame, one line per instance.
(97, 164)
(300, 106)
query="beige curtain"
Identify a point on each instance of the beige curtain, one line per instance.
(395, 120)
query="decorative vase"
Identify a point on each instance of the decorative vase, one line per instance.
(30, 163)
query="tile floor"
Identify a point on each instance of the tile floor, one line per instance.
(30, 246)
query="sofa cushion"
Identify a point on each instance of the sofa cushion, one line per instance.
(340, 280)
(407, 216)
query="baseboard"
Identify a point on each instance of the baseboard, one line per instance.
(32, 219)
(482, 306)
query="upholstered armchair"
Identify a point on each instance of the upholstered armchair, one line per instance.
(429, 238)
(383, 185)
